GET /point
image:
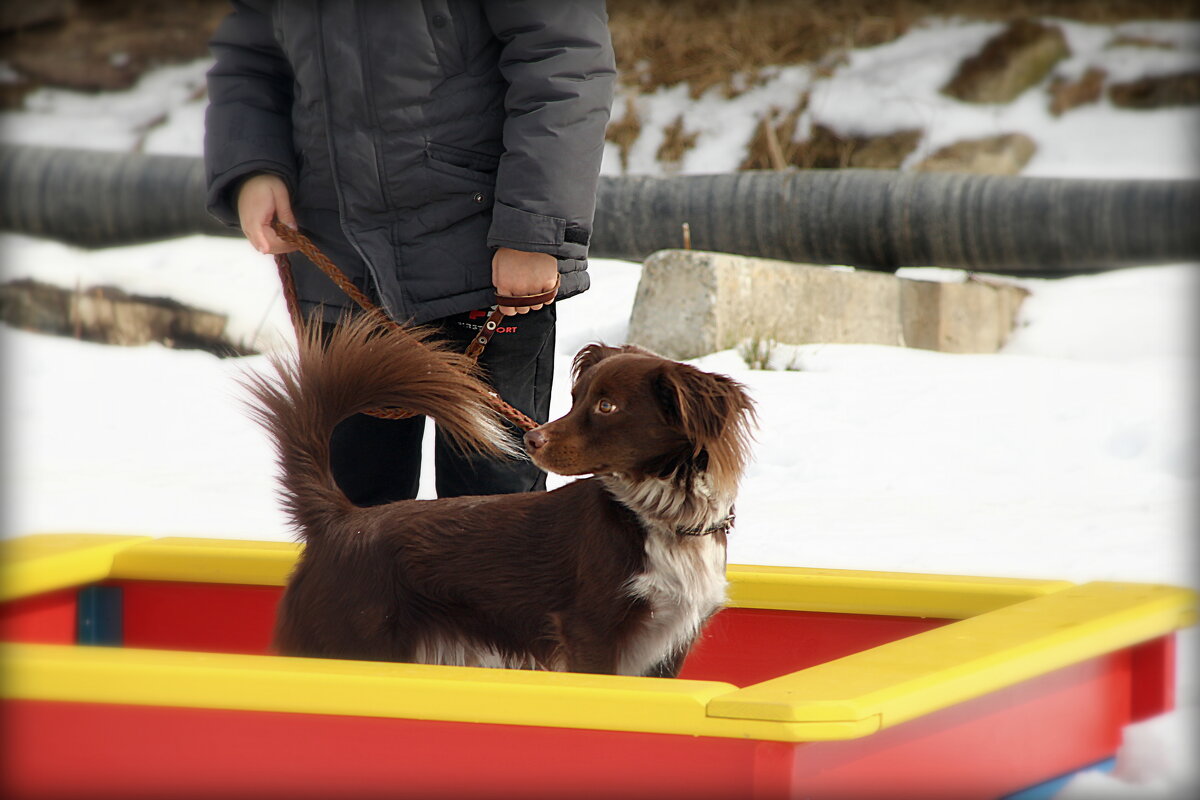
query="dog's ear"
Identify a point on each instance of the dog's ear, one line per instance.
(590, 356)
(715, 415)
(596, 352)
(701, 404)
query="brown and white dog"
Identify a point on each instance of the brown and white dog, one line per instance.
(613, 573)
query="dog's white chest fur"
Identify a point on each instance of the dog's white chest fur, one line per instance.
(684, 583)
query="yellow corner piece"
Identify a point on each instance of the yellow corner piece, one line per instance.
(47, 562)
(969, 658)
(208, 561)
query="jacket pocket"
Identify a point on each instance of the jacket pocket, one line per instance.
(442, 19)
(469, 164)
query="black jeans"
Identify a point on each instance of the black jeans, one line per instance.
(378, 461)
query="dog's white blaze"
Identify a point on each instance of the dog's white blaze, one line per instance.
(659, 499)
(684, 582)
(684, 579)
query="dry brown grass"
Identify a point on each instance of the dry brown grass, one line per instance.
(705, 43)
(676, 142)
(827, 149)
(773, 144)
(106, 45)
(625, 131)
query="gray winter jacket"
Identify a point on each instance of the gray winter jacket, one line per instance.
(416, 136)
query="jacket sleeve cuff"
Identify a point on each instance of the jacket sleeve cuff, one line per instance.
(223, 188)
(535, 233)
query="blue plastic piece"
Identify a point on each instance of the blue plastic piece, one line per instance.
(1047, 790)
(99, 618)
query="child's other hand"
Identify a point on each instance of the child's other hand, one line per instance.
(260, 200)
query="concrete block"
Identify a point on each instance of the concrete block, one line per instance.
(690, 303)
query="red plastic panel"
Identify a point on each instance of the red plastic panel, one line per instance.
(739, 645)
(43, 619)
(1153, 677)
(987, 747)
(129, 752)
(749, 645)
(983, 748)
(206, 617)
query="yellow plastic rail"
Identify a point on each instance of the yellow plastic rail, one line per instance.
(1008, 630)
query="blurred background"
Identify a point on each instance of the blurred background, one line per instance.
(1062, 447)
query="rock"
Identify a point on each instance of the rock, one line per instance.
(1065, 95)
(1005, 154)
(1017, 58)
(1158, 91)
(825, 149)
(111, 316)
(970, 317)
(690, 303)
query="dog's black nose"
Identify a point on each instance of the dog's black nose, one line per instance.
(534, 439)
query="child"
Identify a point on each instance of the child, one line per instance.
(438, 153)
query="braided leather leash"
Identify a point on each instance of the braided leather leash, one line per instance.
(314, 254)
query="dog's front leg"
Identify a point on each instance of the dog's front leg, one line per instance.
(669, 667)
(584, 646)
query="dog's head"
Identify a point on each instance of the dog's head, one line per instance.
(636, 414)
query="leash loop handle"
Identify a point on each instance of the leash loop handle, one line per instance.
(527, 300)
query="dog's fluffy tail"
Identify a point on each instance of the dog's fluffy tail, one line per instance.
(364, 365)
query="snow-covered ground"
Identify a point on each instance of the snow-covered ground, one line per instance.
(1071, 454)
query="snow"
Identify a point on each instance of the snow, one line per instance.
(1071, 454)
(206, 272)
(162, 113)
(1156, 760)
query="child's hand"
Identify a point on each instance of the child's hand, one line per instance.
(261, 199)
(516, 273)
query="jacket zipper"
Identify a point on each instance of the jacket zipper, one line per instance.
(333, 164)
(372, 111)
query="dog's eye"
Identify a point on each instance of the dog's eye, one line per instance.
(606, 406)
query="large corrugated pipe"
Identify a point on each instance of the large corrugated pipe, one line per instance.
(882, 219)
(876, 219)
(95, 199)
